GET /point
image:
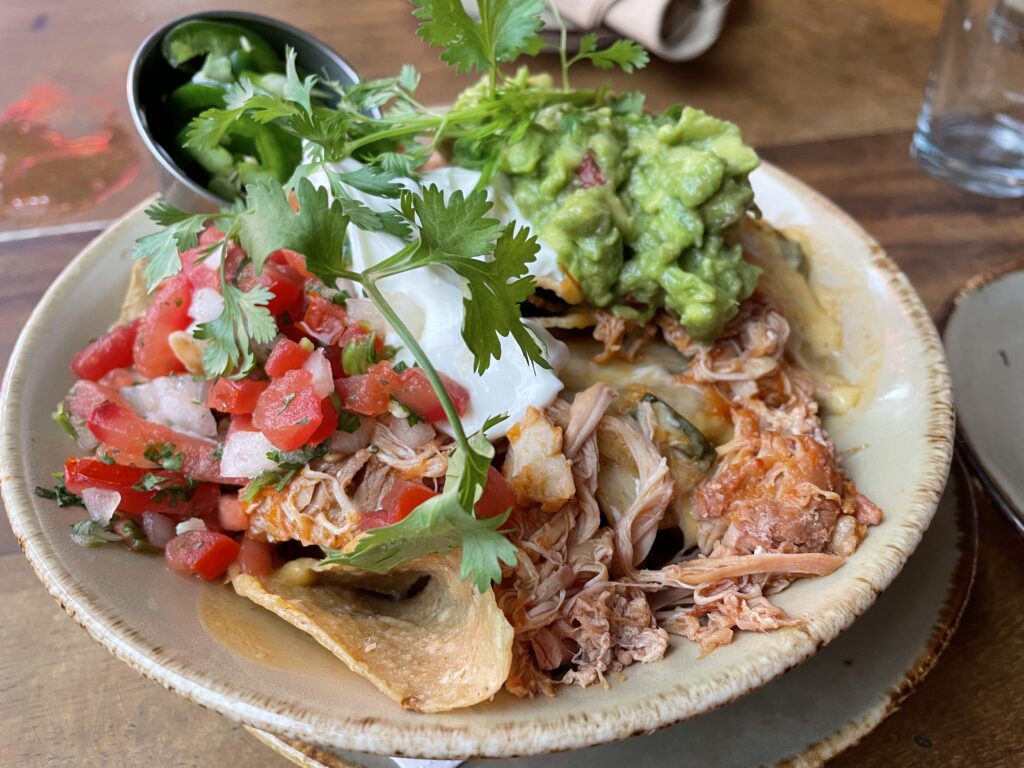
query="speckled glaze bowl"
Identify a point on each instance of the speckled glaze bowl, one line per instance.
(897, 445)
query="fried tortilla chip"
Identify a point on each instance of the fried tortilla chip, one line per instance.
(136, 301)
(422, 635)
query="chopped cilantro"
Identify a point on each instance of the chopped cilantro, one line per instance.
(165, 455)
(60, 494)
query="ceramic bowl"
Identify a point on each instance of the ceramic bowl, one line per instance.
(896, 444)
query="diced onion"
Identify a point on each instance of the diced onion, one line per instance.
(207, 304)
(350, 442)
(159, 528)
(365, 311)
(245, 455)
(100, 503)
(414, 436)
(179, 402)
(323, 380)
(192, 524)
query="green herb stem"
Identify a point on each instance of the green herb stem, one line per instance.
(421, 357)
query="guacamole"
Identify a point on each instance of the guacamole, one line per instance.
(641, 208)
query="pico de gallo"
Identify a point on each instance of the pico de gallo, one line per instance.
(177, 459)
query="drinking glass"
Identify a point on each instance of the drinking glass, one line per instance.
(970, 132)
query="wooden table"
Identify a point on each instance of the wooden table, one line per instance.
(797, 76)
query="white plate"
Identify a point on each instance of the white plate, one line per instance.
(898, 444)
(983, 332)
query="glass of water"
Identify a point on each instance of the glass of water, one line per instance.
(970, 132)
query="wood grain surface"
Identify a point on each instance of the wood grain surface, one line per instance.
(796, 76)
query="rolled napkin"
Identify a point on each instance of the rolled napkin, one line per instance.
(676, 30)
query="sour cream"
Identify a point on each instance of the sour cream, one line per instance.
(429, 301)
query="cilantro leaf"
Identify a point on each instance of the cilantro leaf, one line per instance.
(89, 533)
(457, 226)
(180, 232)
(455, 233)
(445, 24)
(296, 90)
(164, 454)
(364, 217)
(492, 300)
(372, 180)
(316, 230)
(624, 53)
(60, 494)
(244, 319)
(506, 29)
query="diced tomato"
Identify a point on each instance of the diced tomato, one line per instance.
(333, 355)
(324, 320)
(111, 350)
(168, 313)
(86, 396)
(286, 356)
(368, 393)
(205, 553)
(328, 423)
(80, 474)
(118, 377)
(497, 497)
(414, 391)
(256, 558)
(281, 280)
(240, 422)
(194, 268)
(293, 259)
(398, 503)
(235, 396)
(289, 411)
(195, 263)
(128, 435)
(231, 513)
(358, 332)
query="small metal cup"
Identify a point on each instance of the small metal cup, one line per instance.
(151, 78)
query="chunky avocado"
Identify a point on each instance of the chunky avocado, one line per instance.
(641, 208)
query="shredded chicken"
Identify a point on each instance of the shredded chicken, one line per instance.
(560, 598)
(708, 570)
(775, 507)
(315, 508)
(621, 336)
(535, 467)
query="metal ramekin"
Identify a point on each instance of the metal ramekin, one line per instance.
(148, 68)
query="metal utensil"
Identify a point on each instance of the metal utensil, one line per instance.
(151, 78)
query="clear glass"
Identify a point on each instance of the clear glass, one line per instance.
(970, 132)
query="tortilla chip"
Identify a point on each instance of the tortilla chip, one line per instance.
(443, 647)
(136, 302)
